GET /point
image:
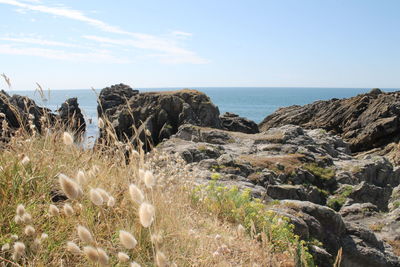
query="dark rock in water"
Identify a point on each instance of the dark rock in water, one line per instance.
(71, 116)
(233, 122)
(20, 112)
(365, 121)
(161, 113)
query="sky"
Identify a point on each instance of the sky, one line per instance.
(80, 44)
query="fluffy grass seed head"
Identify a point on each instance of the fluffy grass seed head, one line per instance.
(68, 139)
(68, 210)
(136, 194)
(18, 219)
(111, 202)
(27, 217)
(104, 194)
(241, 231)
(37, 243)
(19, 248)
(91, 253)
(123, 257)
(156, 239)
(29, 230)
(44, 236)
(20, 210)
(14, 237)
(127, 239)
(6, 247)
(25, 160)
(146, 214)
(100, 123)
(53, 210)
(149, 179)
(161, 259)
(134, 264)
(73, 248)
(103, 257)
(81, 177)
(141, 174)
(95, 197)
(84, 234)
(70, 188)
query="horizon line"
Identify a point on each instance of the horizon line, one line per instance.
(211, 87)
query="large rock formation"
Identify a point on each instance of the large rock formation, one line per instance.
(71, 116)
(161, 113)
(365, 121)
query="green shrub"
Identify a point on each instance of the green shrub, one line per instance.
(323, 173)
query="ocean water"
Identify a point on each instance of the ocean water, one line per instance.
(254, 103)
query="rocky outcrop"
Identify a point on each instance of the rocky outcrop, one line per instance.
(365, 121)
(161, 113)
(234, 123)
(20, 112)
(309, 171)
(71, 116)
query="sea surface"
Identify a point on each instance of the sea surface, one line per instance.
(254, 103)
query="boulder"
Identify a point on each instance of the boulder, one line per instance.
(233, 122)
(368, 193)
(365, 121)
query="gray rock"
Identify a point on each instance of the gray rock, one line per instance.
(233, 122)
(367, 193)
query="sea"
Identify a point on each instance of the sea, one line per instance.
(254, 103)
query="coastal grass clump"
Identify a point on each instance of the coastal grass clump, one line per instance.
(325, 173)
(62, 205)
(253, 217)
(337, 201)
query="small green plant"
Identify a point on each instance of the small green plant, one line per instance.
(215, 176)
(376, 227)
(323, 173)
(396, 204)
(336, 202)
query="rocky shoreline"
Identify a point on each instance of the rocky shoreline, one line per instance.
(330, 167)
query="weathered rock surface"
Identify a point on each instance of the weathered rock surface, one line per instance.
(365, 121)
(71, 116)
(234, 123)
(161, 113)
(302, 168)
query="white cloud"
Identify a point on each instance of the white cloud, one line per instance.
(181, 34)
(169, 48)
(92, 56)
(38, 41)
(170, 53)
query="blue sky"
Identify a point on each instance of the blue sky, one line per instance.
(191, 43)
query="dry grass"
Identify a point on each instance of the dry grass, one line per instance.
(188, 233)
(289, 163)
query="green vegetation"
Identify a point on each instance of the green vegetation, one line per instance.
(323, 173)
(215, 176)
(235, 206)
(337, 201)
(376, 227)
